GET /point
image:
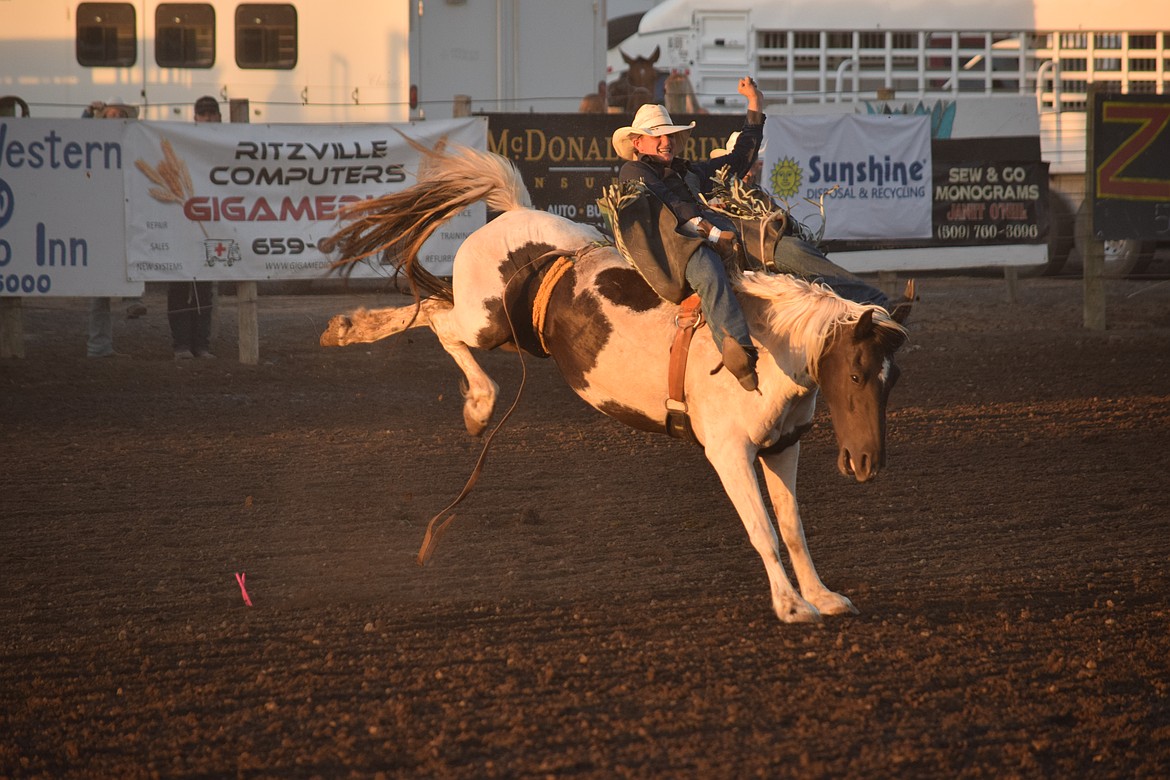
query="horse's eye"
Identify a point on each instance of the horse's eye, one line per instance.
(855, 379)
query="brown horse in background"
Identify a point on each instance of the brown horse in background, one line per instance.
(638, 85)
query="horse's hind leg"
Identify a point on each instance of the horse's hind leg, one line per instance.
(367, 325)
(479, 397)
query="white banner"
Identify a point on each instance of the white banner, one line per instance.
(880, 166)
(62, 224)
(251, 202)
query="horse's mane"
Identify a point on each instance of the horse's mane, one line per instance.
(808, 313)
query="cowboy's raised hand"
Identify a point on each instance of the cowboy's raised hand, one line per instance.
(749, 89)
(747, 86)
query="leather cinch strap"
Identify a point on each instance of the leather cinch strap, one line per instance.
(544, 292)
(688, 320)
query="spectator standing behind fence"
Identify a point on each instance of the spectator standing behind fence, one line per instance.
(100, 342)
(189, 303)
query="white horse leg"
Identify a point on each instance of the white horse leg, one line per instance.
(479, 399)
(731, 462)
(780, 477)
(367, 325)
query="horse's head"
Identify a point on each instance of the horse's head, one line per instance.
(856, 373)
(640, 70)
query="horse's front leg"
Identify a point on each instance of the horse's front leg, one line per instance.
(780, 477)
(732, 461)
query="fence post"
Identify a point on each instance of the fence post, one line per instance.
(1092, 250)
(1011, 276)
(11, 328)
(249, 324)
(246, 292)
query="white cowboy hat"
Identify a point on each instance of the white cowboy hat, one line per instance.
(650, 120)
(725, 150)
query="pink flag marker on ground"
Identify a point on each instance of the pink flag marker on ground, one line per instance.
(243, 591)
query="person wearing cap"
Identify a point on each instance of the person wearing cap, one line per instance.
(189, 303)
(651, 146)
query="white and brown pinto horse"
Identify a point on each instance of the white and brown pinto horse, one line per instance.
(610, 336)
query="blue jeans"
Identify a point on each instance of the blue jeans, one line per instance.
(101, 328)
(800, 258)
(707, 276)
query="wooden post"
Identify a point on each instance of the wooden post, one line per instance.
(461, 106)
(11, 328)
(1093, 256)
(1092, 250)
(1011, 275)
(249, 325)
(246, 292)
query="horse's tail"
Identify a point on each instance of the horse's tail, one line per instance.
(451, 178)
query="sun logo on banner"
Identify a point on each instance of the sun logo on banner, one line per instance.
(786, 177)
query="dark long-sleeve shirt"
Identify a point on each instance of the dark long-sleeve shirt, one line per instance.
(677, 185)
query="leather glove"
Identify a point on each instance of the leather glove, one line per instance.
(701, 227)
(722, 240)
(725, 243)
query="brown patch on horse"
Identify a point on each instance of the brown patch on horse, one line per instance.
(510, 317)
(578, 333)
(635, 418)
(786, 440)
(498, 333)
(626, 287)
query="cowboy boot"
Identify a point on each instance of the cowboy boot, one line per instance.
(741, 361)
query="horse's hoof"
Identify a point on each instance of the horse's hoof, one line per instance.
(474, 425)
(799, 611)
(834, 604)
(338, 327)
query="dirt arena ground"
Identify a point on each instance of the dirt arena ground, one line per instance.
(595, 611)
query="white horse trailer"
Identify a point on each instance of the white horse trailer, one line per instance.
(303, 60)
(306, 61)
(835, 55)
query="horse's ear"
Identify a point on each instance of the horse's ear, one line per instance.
(653, 58)
(864, 327)
(625, 57)
(901, 310)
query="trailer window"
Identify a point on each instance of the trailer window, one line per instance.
(266, 36)
(184, 35)
(106, 36)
